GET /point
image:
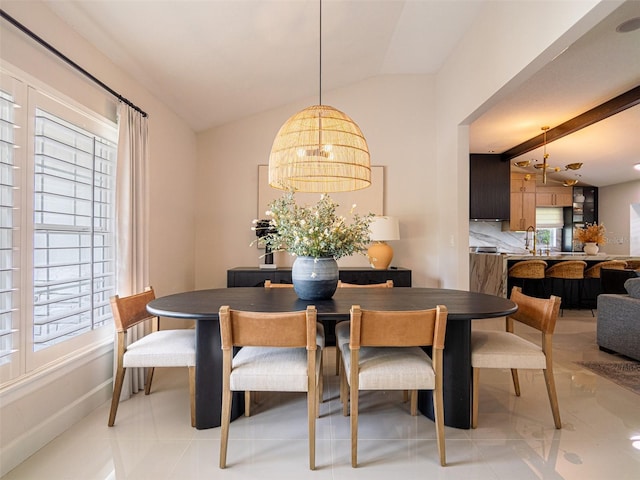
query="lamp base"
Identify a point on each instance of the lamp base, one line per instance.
(380, 255)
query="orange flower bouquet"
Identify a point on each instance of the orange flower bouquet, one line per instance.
(592, 233)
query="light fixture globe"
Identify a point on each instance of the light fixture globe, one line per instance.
(320, 149)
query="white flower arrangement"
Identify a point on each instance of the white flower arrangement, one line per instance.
(313, 231)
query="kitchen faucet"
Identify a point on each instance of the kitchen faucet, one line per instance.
(532, 229)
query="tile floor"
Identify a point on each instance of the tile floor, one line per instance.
(515, 438)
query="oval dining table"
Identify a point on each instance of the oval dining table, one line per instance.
(463, 307)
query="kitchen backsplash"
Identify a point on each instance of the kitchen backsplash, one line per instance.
(490, 234)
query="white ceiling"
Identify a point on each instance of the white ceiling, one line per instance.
(235, 58)
(598, 67)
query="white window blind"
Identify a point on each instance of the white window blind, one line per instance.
(9, 271)
(57, 227)
(549, 217)
(73, 271)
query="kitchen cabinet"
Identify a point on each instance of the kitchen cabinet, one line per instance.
(585, 210)
(554, 197)
(523, 201)
(488, 187)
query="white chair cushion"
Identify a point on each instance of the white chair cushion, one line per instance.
(271, 369)
(391, 368)
(504, 350)
(164, 348)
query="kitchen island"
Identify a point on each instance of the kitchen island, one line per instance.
(488, 271)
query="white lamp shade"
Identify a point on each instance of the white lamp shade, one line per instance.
(384, 229)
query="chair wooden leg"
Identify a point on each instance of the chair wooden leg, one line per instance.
(192, 394)
(553, 398)
(319, 389)
(439, 416)
(353, 400)
(476, 391)
(414, 402)
(321, 382)
(338, 359)
(311, 417)
(247, 403)
(115, 399)
(147, 385)
(344, 392)
(224, 424)
(516, 382)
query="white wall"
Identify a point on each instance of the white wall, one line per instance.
(395, 115)
(415, 127)
(614, 212)
(507, 43)
(36, 410)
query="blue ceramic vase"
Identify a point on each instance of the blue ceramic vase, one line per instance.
(315, 278)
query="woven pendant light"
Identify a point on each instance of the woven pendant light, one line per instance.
(320, 149)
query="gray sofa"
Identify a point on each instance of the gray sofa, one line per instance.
(618, 326)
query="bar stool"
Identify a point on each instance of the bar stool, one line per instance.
(569, 272)
(527, 270)
(592, 275)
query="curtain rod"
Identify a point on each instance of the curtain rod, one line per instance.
(61, 55)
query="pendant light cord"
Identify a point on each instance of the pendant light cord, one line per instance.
(320, 55)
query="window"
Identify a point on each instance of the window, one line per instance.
(58, 272)
(549, 222)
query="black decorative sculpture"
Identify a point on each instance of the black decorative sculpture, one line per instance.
(263, 228)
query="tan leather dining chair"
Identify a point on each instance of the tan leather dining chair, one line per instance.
(341, 284)
(387, 284)
(505, 349)
(161, 348)
(279, 353)
(321, 341)
(384, 353)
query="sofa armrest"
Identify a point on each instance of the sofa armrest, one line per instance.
(618, 324)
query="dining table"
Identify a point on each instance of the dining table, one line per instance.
(463, 307)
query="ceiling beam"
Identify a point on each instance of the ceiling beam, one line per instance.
(618, 104)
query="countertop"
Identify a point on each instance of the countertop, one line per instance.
(601, 256)
(488, 271)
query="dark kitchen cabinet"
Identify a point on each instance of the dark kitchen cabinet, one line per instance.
(489, 187)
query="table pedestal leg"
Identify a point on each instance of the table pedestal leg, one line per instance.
(456, 377)
(209, 377)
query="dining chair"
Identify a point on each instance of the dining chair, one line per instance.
(384, 353)
(341, 284)
(321, 341)
(386, 284)
(279, 353)
(160, 348)
(505, 349)
(270, 284)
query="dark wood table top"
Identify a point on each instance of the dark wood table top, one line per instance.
(205, 304)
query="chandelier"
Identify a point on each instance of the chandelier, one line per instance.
(545, 167)
(320, 149)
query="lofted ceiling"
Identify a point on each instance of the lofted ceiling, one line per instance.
(216, 61)
(599, 66)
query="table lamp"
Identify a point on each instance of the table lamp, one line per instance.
(383, 229)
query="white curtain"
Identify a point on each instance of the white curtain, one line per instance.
(132, 217)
